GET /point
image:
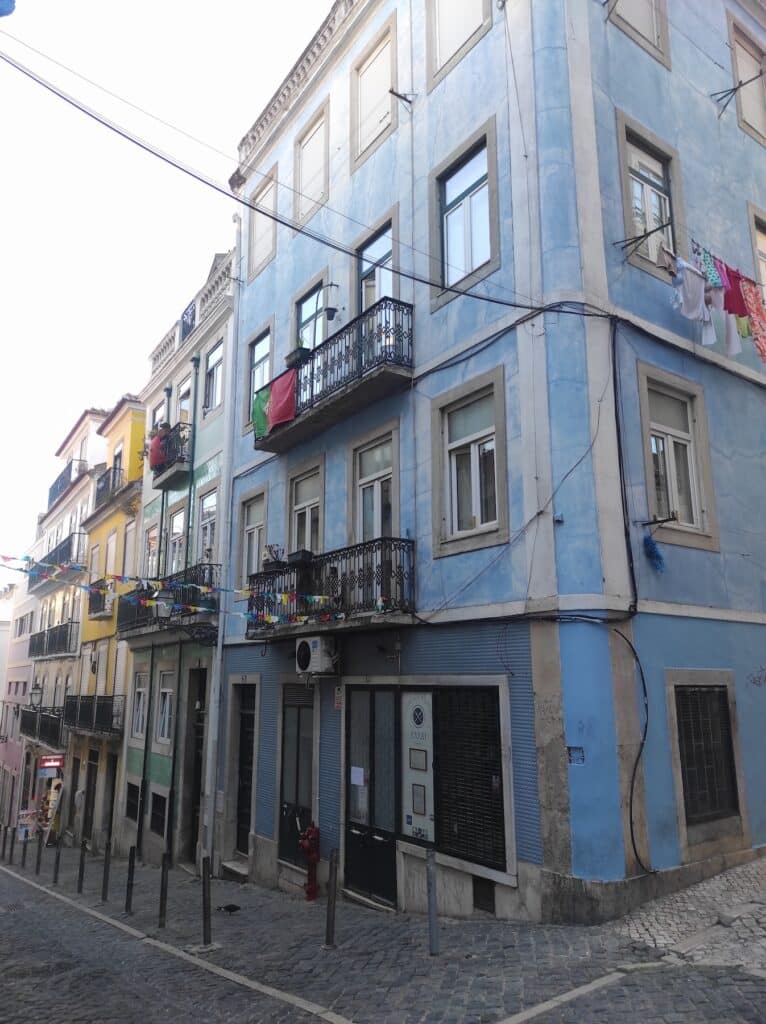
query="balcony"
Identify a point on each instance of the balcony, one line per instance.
(55, 642)
(368, 359)
(46, 725)
(376, 578)
(101, 600)
(107, 485)
(97, 715)
(175, 469)
(60, 566)
(147, 609)
(73, 470)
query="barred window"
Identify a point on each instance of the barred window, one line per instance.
(706, 753)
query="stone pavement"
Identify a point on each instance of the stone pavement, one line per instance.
(488, 971)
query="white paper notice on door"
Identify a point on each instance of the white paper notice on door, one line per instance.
(357, 775)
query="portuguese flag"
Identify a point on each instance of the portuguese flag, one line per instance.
(275, 403)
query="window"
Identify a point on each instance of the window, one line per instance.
(375, 490)
(468, 427)
(311, 164)
(158, 415)
(258, 366)
(139, 707)
(263, 229)
(151, 538)
(453, 28)
(110, 561)
(706, 753)
(376, 280)
(373, 108)
(751, 98)
(95, 563)
(306, 491)
(116, 469)
(183, 397)
(165, 711)
(759, 249)
(646, 22)
(129, 550)
(175, 554)
(310, 318)
(252, 536)
(131, 802)
(207, 516)
(214, 377)
(649, 199)
(465, 224)
(159, 810)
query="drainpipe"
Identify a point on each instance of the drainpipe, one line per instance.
(172, 794)
(144, 778)
(227, 512)
(192, 447)
(161, 567)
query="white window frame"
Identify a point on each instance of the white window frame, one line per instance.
(159, 414)
(317, 318)
(258, 369)
(374, 480)
(207, 527)
(165, 709)
(438, 68)
(214, 378)
(472, 442)
(151, 564)
(262, 230)
(643, 179)
(367, 131)
(740, 39)
(464, 202)
(138, 714)
(659, 46)
(305, 508)
(253, 536)
(670, 437)
(306, 204)
(183, 395)
(175, 545)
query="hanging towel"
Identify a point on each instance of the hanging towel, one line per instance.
(733, 301)
(733, 343)
(710, 271)
(689, 285)
(751, 294)
(743, 326)
(720, 267)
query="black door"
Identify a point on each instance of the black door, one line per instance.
(297, 760)
(371, 787)
(91, 775)
(198, 692)
(245, 780)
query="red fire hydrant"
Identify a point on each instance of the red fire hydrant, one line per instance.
(309, 843)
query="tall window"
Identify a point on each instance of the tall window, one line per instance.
(312, 168)
(175, 553)
(673, 456)
(454, 24)
(139, 706)
(646, 22)
(375, 274)
(183, 397)
(116, 466)
(214, 377)
(706, 753)
(158, 414)
(649, 199)
(375, 491)
(263, 229)
(760, 250)
(305, 512)
(310, 318)
(373, 104)
(258, 365)
(207, 516)
(165, 709)
(151, 551)
(158, 814)
(751, 98)
(471, 458)
(466, 240)
(252, 536)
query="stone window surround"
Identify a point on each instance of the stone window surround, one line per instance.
(302, 469)
(706, 538)
(482, 537)
(267, 327)
(660, 53)
(389, 218)
(698, 842)
(357, 158)
(270, 177)
(739, 34)
(321, 279)
(260, 490)
(757, 219)
(321, 113)
(368, 439)
(434, 74)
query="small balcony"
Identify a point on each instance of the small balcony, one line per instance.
(62, 565)
(55, 642)
(368, 359)
(45, 725)
(107, 485)
(182, 602)
(101, 600)
(354, 584)
(174, 471)
(73, 470)
(97, 715)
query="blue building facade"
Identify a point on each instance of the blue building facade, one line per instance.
(464, 399)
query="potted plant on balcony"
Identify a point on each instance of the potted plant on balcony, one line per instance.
(297, 357)
(275, 562)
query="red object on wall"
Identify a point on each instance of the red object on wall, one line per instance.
(282, 398)
(309, 843)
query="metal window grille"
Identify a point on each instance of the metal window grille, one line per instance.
(159, 805)
(468, 775)
(707, 753)
(131, 802)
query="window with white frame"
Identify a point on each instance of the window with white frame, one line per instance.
(165, 709)
(310, 318)
(373, 102)
(751, 97)
(138, 723)
(374, 473)
(158, 415)
(175, 552)
(650, 199)
(305, 512)
(760, 251)
(676, 488)
(312, 167)
(472, 473)
(466, 240)
(208, 508)
(263, 228)
(646, 22)
(454, 24)
(183, 399)
(253, 512)
(258, 365)
(151, 551)
(214, 377)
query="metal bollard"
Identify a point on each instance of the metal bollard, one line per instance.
(433, 920)
(129, 887)
(164, 889)
(81, 868)
(24, 848)
(38, 862)
(57, 862)
(5, 841)
(105, 878)
(206, 933)
(332, 893)
(13, 843)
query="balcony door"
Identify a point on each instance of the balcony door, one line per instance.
(176, 541)
(376, 282)
(305, 524)
(371, 793)
(296, 786)
(374, 470)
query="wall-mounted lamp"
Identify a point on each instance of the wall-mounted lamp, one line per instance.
(331, 311)
(35, 695)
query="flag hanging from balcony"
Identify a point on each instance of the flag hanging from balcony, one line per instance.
(275, 403)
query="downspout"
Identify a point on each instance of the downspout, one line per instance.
(216, 690)
(161, 566)
(192, 447)
(172, 794)
(144, 779)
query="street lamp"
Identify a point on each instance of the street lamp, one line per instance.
(35, 695)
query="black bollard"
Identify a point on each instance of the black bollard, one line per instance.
(13, 843)
(332, 892)
(57, 862)
(38, 862)
(206, 933)
(129, 887)
(5, 841)
(107, 864)
(24, 848)
(81, 868)
(164, 889)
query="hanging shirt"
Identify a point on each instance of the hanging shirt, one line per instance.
(710, 271)
(733, 302)
(689, 287)
(751, 295)
(720, 268)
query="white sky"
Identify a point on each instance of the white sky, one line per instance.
(101, 245)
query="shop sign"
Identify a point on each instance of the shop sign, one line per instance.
(417, 766)
(26, 822)
(52, 761)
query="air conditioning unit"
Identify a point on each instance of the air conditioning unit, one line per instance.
(314, 654)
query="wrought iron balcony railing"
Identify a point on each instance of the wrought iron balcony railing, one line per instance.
(108, 484)
(176, 448)
(45, 725)
(95, 714)
(100, 599)
(179, 593)
(375, 576)
(59, 564)
(60, 639)
(73, 469)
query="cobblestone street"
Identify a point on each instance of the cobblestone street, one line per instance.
(666, 963)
